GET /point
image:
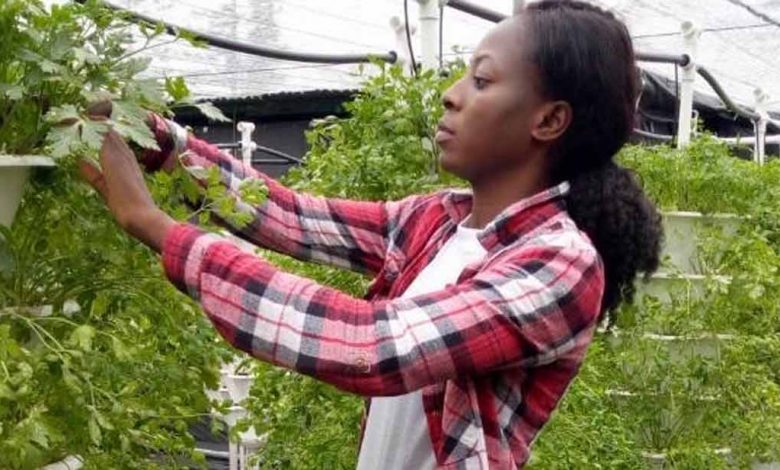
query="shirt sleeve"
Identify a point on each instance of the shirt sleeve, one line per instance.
(533, 310)
(342, 233)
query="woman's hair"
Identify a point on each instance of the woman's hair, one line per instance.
(586, 58)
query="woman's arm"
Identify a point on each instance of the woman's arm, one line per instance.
(538, 307)
(346, 234)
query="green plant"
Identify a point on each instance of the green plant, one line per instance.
(384, 150)
(55, 62)
(116, 372)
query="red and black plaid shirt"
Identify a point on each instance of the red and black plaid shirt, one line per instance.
(493, 353)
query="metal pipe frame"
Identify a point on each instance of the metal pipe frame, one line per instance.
(260, 148)
(271, 53)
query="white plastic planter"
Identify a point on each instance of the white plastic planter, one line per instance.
(678, 287)
(69, 308)
(681, 348)
(70, 462)
(765, 466)
(681, 231)
(32, 311)
(14, 172)
(219, 395)
(660, 461)
(238, 386)
(234, 415)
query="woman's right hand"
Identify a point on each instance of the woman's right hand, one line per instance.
(151, 160)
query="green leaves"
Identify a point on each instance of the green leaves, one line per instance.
(72, 133)
(112, 380)
(63, 140)
(211, 112)
(82, 336)
(129, 120)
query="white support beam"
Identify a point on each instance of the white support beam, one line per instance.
(248, 147)
(429, 33)
(401, 44)
(690, 40)
(759, 151)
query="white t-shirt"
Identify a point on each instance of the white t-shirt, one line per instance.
(396, 434)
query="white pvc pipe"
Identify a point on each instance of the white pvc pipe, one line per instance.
(71, 462)
(690, 40)
(759, 151)
(750, 140)
(429, 33)
(248, 147)
(399, 32)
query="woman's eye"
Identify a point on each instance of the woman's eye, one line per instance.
(480, 82)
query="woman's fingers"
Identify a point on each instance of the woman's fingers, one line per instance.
(100, 109)
(93, 176)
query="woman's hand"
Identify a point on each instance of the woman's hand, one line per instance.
(122, 186)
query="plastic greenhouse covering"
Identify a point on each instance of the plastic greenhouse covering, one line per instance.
(738, 42)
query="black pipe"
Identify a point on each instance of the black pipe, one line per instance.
(713, 83)
(650, 135)
(681, 60)
(279, 154)
(271, 53)
(476, 10)
(260, 148)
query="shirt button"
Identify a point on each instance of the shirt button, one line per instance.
(362, 365)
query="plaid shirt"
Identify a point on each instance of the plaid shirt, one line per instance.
(493, 353)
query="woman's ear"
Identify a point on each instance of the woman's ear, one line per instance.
(554, 118)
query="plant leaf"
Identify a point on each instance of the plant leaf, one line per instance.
(211, 112)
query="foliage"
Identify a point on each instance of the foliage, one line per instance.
(55, 62)
(116, 372)
(99, 356)
(385, 149)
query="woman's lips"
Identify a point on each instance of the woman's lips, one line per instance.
(444, 134)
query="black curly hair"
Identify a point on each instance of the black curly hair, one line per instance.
(585, 57)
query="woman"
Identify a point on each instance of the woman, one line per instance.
(484, 301)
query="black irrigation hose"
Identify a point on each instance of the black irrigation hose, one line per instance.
(261, 148)
(271, 53)
(441, 37)
(651, 136)
(681, 60)
(738, 110)
(409, 37)
(476, 10)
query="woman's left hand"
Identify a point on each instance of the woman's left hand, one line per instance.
(121, 184)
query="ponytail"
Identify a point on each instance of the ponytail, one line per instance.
(585, 57)
(609, 205)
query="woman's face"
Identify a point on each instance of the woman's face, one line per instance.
(491, 111)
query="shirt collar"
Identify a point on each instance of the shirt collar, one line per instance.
(514, 221)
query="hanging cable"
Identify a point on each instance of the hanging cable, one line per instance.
(441, 37)
(409, 37)
(238, 46)
(258, 70)
(676, 100)
(705, 30)
(755, 12)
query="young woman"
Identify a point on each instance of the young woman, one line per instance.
(484, 301)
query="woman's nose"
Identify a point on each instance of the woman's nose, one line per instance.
(450, 98)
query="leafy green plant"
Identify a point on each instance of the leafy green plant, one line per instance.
(116, 372)
(55, 62)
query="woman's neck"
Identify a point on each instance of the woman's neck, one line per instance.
(494, 194)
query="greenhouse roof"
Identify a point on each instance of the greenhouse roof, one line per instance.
(738, 43)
